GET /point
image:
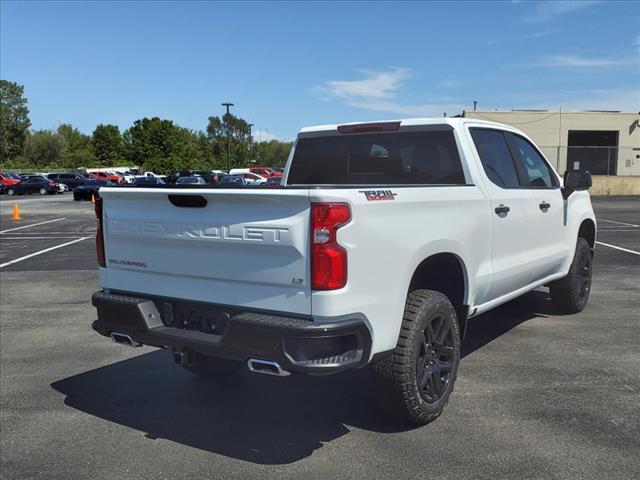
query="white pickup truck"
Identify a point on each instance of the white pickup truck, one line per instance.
(384, 239)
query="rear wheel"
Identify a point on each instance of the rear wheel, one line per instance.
(11, 191)
(419, 375)
(571, 293)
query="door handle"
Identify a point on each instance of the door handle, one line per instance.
(544, 206)
(502, 209)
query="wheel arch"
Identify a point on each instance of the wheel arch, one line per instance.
(445, 272)
(587, 231)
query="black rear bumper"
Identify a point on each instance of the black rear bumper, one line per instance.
(297, 344)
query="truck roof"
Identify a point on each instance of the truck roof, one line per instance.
(406, 122)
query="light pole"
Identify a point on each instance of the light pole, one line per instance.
(250, 144)
(228, 104)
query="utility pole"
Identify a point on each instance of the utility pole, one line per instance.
(228, 104)
(475, 104)
(250, 144)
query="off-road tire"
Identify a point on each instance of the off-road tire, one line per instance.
(401, 373)
(571, 293)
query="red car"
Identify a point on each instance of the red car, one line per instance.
(112, 177)
(8, 179)
(265, 171)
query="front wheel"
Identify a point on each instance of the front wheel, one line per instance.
(570, 294)
(11, 192)
(43, 191)
(419, 376)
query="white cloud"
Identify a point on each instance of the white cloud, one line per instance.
(549, 10)
(578, 61)
(450, 83)
(374, 85)
(540, 34)
(377, 91)
(527, 36)
(263, 135)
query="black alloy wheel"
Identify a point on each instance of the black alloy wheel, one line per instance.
(435, 359)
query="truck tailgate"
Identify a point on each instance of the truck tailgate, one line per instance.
(244, 247)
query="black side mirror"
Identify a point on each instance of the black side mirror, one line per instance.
(575, 180)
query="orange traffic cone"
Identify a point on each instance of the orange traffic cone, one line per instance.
(16, 212)
(93, 198)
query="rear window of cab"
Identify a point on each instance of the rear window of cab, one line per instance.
(394, 158)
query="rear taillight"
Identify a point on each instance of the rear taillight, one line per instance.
(328, 258)
(99, 236)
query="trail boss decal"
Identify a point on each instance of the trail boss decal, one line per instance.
(378, 194)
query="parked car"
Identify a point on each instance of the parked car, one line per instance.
(208, 175)
(140, 181)
(232, 180)
(8, 178)
(252, 178)
(111, 176)
(194, 180)
(71, 180)
(274, 182)
(61, 188)
(33, 184)
(264, 172)
(395, 235)
(90, 189)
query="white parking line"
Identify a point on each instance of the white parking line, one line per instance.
(10, 237)
(32, 225)
(614, 246)
(42, 251)
(619, 223)
(76, 234)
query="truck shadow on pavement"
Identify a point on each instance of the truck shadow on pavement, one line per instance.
(256, 418)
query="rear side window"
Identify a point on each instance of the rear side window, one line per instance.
(537, 173)
(495, 157)
(378, 159)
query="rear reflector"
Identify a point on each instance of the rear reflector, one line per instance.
(99, 236)
(369, 127)
(328, 258)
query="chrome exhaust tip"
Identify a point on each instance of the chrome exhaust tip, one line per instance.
(268, 367)
(124, 339)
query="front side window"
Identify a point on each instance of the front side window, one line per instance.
(394, 158)
(496, 157)
(537, 173)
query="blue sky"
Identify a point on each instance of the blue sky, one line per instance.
(287, 65)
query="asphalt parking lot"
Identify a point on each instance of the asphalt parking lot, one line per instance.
(539, 395)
